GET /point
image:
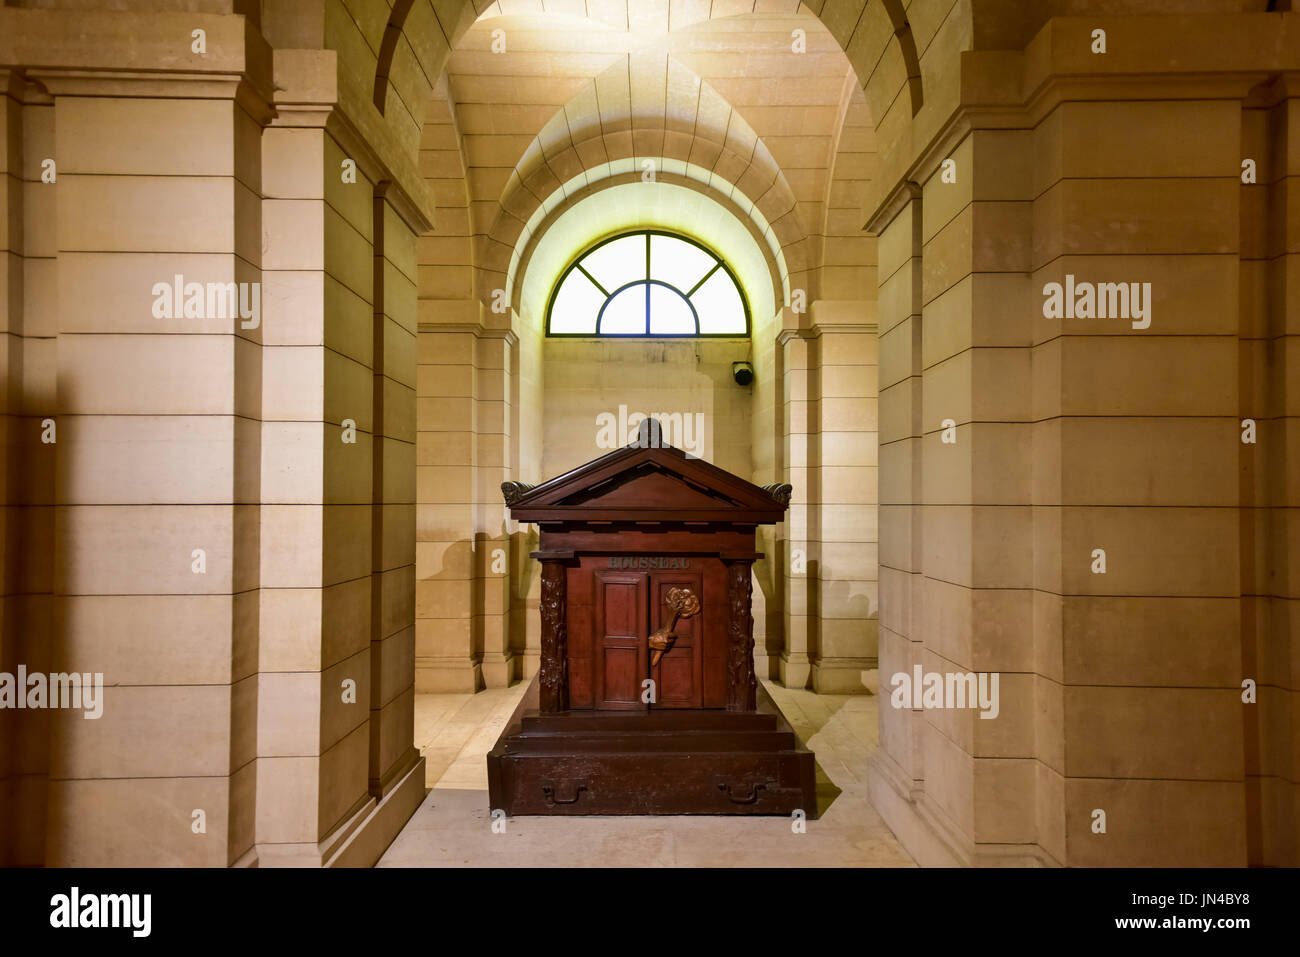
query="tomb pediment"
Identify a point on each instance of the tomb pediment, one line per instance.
(652, 484)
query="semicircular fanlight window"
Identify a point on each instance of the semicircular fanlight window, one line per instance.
(648, 283)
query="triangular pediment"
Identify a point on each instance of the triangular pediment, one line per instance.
(650, 484)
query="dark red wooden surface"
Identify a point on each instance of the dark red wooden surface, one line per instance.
(615, 536)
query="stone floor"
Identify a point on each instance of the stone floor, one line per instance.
(453, 826)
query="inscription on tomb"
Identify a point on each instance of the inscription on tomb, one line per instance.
(648, 561)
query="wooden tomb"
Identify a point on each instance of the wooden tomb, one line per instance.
(648, 702)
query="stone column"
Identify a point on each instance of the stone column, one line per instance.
(741, 681)
(392, 578)
(896, 765)
(846, 437)
(801, 538)
(446, 657)
(29, 434)
(554, 680)
(159, 419)
(493, 360)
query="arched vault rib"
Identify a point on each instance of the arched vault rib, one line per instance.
(775, 278)
(709, 143)
(850, 21)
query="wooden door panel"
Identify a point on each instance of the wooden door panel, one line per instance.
(620, 635)
(679, 675)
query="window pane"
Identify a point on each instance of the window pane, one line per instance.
(670, 314)
(719, 304)
(617, 263)
(576, 306)
(625, 314)
(677, 262)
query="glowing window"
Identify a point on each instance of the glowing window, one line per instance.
(647, 284)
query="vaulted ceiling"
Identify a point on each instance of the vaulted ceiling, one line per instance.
(761, 109)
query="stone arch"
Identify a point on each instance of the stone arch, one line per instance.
(548, 214)
(760, 193)
(876, 35)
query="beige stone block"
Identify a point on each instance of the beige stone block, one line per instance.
(288, 795)
(900, 295)
(896, 538)
(294, 465)
(153, 731)
(1150, 551)
(150, 639)
(900, 411)
(1159, 216)
(848, 449)
(990, 463)
(399, 471)
(399, 411)
(122, 286)
(852, 562)
(1189, 294)
(349, 323)
(347, 531)
(1149, 138)
(154, 374)
(444, 414)
(395, 721)
(443, 522)
(398, 536)
(1186, 376)
(444, 448)
(980, 546)
(943, 201)
(1128, 460)
(900, 352)
(148, 550)
(896, 725)
(396, 671)
(444, 484)
(895, 475)
(349, 254)
(847, 485)
(445, 381)
(294, 234)
(117, 213)
(294, 167)
(344, 776)
(949, 772)
(155, 459)
(345, 695)
(1004, 800)
(125, 136)
(300, 307)
(848, 381)
(846, 638)
(292, 544)
(289, 708)
(1156, 823)
(137, 822)
(291, 629)
(443, 600)
(895, 603)
(1164, 733)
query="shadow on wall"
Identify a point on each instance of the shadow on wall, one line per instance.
(28, 631)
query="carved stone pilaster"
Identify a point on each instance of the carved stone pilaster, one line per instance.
(741, 682)
(554, 669)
